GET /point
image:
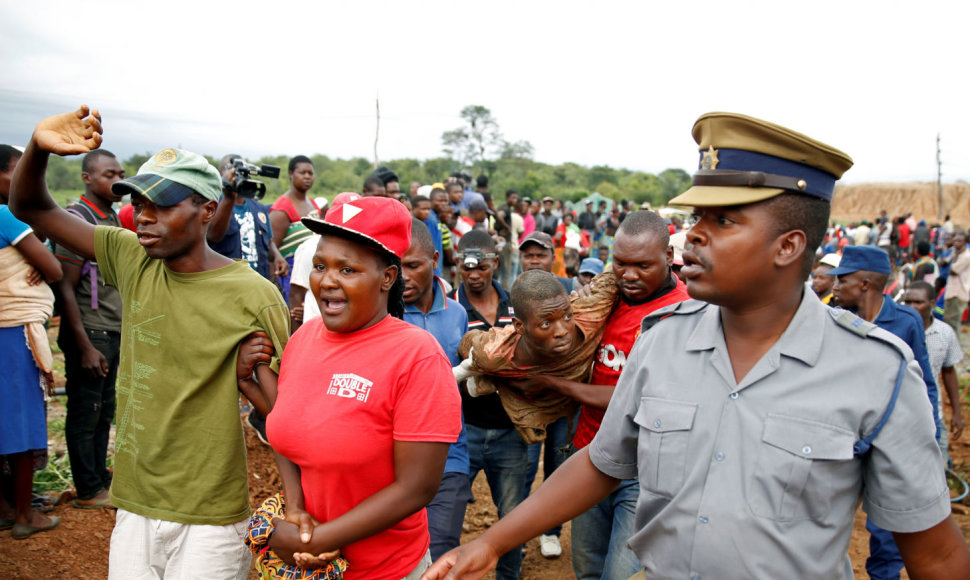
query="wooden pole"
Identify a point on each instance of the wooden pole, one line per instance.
(939, 181)
(377, 131)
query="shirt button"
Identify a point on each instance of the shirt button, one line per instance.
(807, 450)
(703, 519)
(656, 424)
(734, 396)
(718, 456)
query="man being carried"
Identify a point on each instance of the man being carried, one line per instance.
(751, 434)
(182, 505)
(90, 337)
(642, 265)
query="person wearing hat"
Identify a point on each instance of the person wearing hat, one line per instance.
(860, 278)
(589, 268)
(753, 434)
(537, 252)
(381, 406)
(185, 310)
(822, 280)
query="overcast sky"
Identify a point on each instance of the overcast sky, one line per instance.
(596, 83)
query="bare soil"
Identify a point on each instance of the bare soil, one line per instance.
(78, 548)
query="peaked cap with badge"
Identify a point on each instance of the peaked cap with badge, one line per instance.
(746, 160)
(379, 221)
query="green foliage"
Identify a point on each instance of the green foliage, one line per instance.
(569, 181)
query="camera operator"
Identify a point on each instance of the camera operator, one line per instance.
(241, 229)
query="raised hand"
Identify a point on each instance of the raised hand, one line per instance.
(70, 133)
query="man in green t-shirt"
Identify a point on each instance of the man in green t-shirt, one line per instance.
(180, 479)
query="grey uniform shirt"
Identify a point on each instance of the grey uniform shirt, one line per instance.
(758, 479)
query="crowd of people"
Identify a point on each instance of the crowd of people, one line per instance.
(687, 394)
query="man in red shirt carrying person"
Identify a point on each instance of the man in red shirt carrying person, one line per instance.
(642, 257)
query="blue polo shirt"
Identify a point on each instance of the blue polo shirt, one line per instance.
(432, 223)
(907, 324)
(447, 321)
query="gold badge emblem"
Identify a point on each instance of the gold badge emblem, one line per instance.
(709, 160)
(165, 156)
(262, 217)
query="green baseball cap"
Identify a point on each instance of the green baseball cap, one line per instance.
(172, 175)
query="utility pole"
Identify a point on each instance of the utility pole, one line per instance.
(377, 131)
(939, 181)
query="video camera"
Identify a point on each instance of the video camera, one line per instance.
(245, 186)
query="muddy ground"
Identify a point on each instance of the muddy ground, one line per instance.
(78, 548)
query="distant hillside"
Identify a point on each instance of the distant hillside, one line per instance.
(862, 201)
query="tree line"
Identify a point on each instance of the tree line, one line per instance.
(568, 181)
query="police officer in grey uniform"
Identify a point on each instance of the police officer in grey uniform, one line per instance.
(758, 420)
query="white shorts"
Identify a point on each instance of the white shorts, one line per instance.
(149, 549)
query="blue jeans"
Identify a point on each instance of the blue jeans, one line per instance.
(884, 561)
(90, 410)
(600, 536)
(446, 512)
(558, 448)
(503, 455)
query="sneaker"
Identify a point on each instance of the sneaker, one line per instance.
(549, 546)
(258, 423)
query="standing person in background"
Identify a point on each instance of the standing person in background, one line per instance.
(389, 179)
(427, 307)
(587, 220)
(943, 348)
(90, 337)
(822, 281)
(26, 302)
(241, 229)
(285, 214)
(524, 209)
(957, 281)
(373, 187)
(456, 196)
(546, 220)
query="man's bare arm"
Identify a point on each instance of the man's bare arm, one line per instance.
(30, 201)
(939, 553)
(952, 385)
(591, 395)
(573, 488)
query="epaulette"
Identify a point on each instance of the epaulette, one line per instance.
(865, 329)
(851, 322)
(685, 307)
(856, 325)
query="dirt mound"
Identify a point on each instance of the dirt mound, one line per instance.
(862, 201)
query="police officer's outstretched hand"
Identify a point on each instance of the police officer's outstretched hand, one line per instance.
(70, 133)
(468, 562)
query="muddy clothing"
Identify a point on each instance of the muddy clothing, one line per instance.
(493, 359)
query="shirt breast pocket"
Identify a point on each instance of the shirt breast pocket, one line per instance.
(801, 465)
(662, 443)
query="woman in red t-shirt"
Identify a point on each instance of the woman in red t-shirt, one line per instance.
(364, 408)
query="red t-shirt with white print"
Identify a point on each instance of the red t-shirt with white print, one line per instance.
(622, 330)
(344, 399)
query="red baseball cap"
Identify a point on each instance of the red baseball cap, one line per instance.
(378, 220)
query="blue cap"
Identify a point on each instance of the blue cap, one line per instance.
(868, 258)
(592, 266)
